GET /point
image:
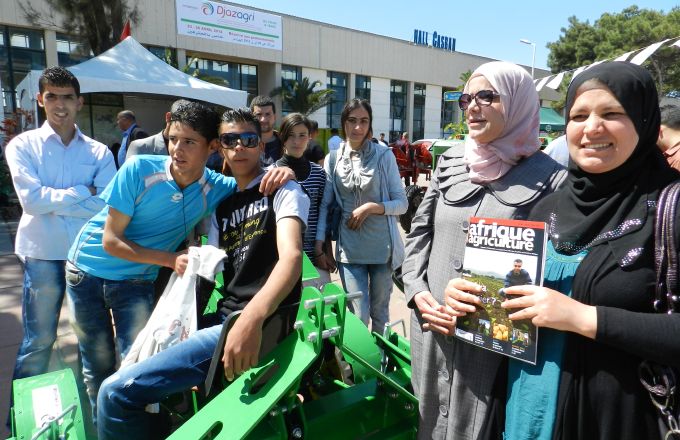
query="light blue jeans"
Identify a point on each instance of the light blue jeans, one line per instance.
(125, 394)
(42, 298)
(93, 301)
(375, 282)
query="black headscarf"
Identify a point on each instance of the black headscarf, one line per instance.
(618, 205)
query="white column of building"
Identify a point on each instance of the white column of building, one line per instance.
(51, 57)
(380, 103)
(351, 86)
(181, 58)
(433, 111)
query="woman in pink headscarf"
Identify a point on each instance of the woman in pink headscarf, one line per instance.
(499, 172)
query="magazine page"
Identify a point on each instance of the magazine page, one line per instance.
(500, 253)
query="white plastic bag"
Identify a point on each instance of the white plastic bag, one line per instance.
(174, 317)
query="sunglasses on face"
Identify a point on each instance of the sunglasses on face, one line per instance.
(230, 140)
(483, 98)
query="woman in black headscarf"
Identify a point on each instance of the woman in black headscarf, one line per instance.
(601, 256)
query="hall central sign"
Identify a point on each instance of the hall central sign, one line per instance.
(439, 41)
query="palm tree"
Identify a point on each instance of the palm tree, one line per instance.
(301, 96)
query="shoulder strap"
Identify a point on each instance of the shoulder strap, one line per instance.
(332, 163)
(666, 250)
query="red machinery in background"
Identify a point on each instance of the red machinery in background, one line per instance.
(413, 159)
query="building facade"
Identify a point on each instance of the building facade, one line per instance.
(256, 51)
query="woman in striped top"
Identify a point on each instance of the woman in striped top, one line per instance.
(294, 135)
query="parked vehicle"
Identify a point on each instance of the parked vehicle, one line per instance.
(430, 150)
(413, 159)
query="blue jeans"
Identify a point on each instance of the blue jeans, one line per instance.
(125, 394)
(92, 302)
(375, 282)
(42, 297)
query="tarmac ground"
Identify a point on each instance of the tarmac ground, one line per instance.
(65, 350)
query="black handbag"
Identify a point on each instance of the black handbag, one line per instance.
(661, 381)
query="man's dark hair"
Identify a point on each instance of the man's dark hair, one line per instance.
(670, 116)
(314, 125)
(178, 103)
(289, 122)
(262, 101)
(128, 114)
(58, 76)
(517, 260)
(199, 117)
(242, 116)
(334, 131)
(353, 105)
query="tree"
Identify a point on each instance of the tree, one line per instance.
(301, 96)
(464, 78)
(614, 34)
(458, 128)
(98, 22)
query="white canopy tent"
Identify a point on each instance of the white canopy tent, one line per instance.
(129, 68)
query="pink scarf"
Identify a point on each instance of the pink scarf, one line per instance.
(520, 106)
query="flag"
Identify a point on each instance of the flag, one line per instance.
(126, 31)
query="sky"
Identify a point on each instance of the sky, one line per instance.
(490, 28)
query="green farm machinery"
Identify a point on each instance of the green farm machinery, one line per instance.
(329, 378)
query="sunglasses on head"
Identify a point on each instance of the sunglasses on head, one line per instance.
(483, 98)
(248, 140)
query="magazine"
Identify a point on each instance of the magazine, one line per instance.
(500, 253)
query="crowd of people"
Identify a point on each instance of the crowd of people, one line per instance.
(106, 229)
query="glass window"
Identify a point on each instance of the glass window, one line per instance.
(249, 80)
(71, 50)
(26, 38)
(289, 74)
(24, 53)
(363, 87)
(450, 113)
(397, 109)
(163, 53)
(337, 82)
(237, 76)
(419, 91)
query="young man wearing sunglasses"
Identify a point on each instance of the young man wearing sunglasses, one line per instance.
(262, 236)
(153, 204)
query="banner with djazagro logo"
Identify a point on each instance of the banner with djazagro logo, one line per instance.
(228, 23)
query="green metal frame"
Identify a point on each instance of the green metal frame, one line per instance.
(364, 393)
(377, 400)
(54, 396)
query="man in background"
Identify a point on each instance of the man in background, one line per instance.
(264, 109)
(127, 122)
(334, 141)
(669, 135)
(314, 152)
(156, 144)
(382, 140)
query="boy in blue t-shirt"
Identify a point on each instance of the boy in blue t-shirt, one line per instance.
(153, 203)
(262, 236)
